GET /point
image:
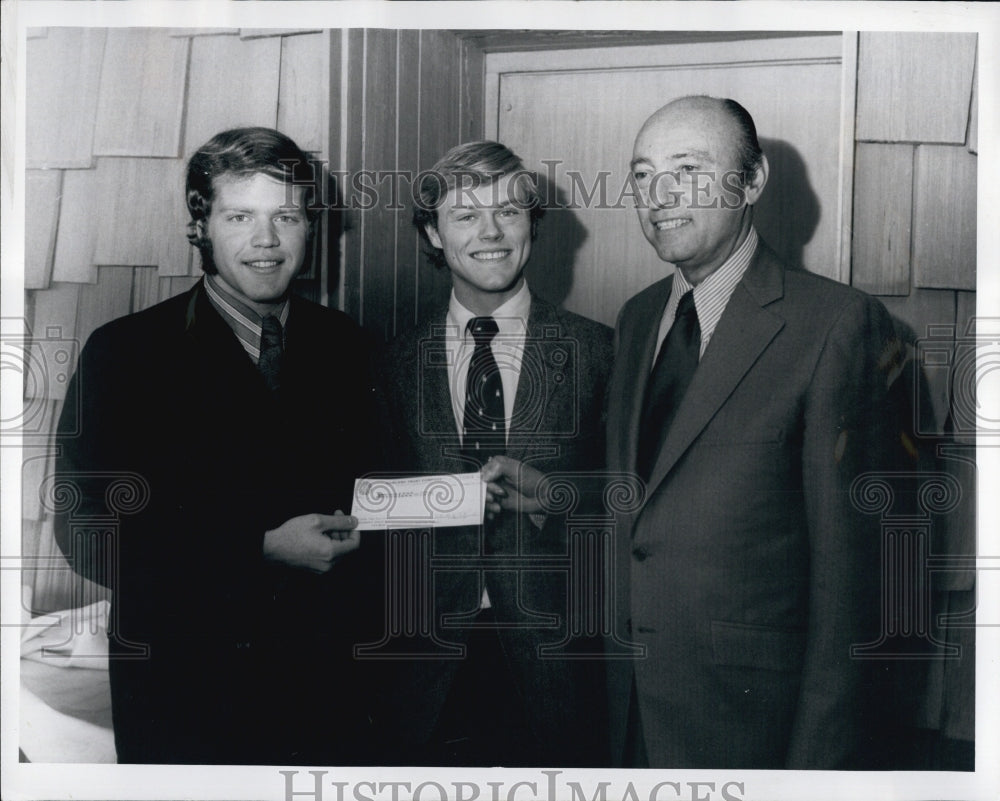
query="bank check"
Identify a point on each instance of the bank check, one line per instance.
(419, 501)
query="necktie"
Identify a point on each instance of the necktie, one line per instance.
(672, 372)
(484, 429)
(271, 349)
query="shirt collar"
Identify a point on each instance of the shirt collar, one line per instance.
(723, 280)
(232, 307)
(511, 316)
(244, 322)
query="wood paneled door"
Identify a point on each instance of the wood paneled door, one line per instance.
(573, 115)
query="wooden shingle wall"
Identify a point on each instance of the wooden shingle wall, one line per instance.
(914, 237)
(112, 115)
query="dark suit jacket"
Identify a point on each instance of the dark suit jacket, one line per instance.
(245, 660)
(557, 426)
(747, 572)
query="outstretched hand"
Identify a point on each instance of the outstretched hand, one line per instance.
(511, 485)
(312, 542)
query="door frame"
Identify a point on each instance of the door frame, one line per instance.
(488, 55)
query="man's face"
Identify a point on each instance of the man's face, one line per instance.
(485, 234)
(693, 210)
(258, 240)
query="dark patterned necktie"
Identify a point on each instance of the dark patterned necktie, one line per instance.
(672, 373)
(271, 350)
(484, 429)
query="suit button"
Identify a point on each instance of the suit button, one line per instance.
(639, 554)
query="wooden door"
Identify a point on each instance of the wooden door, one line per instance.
(573, 116)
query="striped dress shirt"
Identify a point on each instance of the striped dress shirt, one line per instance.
(244, 321)
(710, 296)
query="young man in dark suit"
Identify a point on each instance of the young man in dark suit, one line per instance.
(237, 414)
(498, 371)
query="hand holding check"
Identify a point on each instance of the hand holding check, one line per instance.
(312, 542)
(511, 485)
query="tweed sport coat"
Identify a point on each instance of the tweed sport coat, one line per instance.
(558, 427)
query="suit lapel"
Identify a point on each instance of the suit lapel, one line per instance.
(744, 331)
(226, 369)
(537, 401)
(435, 417)
(545, 400)
(636, 354)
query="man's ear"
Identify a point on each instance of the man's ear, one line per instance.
(755, 186)
(433, 236)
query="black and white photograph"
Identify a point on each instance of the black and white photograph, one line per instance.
(559, 401)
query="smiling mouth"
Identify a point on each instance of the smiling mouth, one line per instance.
(490, 255)
(669, 225)
(262, 265)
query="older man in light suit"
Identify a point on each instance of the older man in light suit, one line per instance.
(748, 397)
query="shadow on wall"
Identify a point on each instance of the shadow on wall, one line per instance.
(788, 212)
(786, 217)
(553, 253)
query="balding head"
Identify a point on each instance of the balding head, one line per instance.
(724, 113)
(698, 166)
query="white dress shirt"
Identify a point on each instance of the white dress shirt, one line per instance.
(508, 350)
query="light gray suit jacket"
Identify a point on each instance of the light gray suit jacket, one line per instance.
(747, 573)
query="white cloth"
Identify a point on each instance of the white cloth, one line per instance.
(69, 638)
(53, 649)
(47, 735)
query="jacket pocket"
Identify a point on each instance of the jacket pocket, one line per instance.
(747, 645)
